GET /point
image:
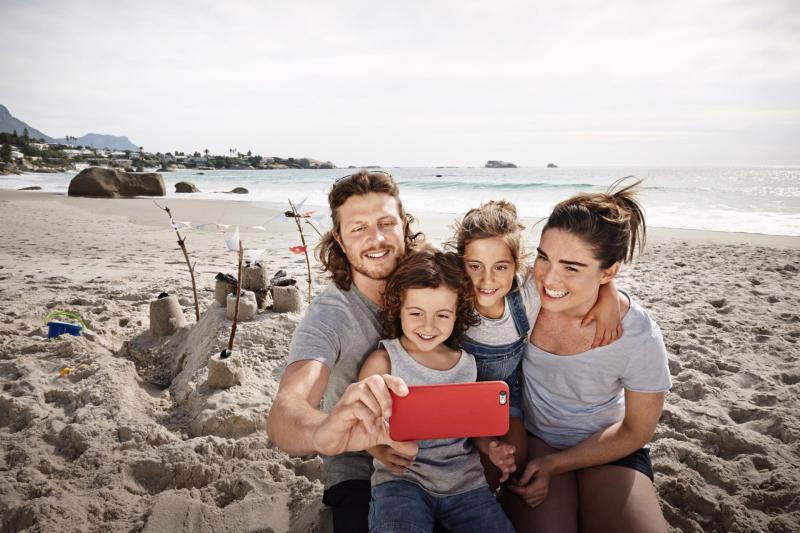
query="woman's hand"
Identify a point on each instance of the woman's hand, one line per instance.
(534, 484)
(502, 456)
(396, 462)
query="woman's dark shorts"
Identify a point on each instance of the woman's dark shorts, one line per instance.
(638, 460)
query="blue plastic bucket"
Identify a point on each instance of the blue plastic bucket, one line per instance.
(54, 329)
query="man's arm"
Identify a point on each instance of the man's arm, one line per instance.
(355, 423)
(295, 414)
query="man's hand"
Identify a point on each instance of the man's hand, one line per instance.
(502, 456)
(396, 462)
(358, 420)
(534, 484)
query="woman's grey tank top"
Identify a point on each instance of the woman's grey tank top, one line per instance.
(443, 467)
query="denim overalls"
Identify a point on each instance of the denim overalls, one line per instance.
(502, 363)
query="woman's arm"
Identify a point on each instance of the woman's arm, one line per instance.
(642, 412)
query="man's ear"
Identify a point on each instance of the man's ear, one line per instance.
(338, 239)
(609, 273)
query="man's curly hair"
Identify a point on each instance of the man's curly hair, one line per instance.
(329, 253)
(429, 268)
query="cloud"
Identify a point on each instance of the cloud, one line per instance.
(359, 81)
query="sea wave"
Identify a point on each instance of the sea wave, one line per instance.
(482, 185)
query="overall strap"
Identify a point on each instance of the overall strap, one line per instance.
(517, 308)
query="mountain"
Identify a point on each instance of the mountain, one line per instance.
(8, 124)
(98, 140)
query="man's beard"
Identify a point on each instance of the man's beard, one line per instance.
(378, 272)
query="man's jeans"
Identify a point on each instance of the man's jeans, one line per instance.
(404, 507)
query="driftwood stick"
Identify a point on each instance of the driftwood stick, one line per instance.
(297, 217)
(182, 244)
(238, 294)
(314, 228)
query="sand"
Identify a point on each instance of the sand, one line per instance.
(134, 439)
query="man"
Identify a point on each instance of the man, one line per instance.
(370, 233)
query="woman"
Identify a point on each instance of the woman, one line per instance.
(589, 412)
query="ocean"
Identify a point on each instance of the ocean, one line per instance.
(748, 200)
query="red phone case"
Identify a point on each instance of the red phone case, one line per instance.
(450, 411)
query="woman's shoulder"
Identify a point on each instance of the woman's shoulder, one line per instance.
(637, 324)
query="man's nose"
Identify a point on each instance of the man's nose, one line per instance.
(377, 234)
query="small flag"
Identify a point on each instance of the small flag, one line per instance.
(232, 243)
(298, 249)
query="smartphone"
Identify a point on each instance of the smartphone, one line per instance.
(450, 411)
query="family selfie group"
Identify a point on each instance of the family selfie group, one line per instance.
(585, 366)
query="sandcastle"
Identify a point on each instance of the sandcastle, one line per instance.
(248, 305)
(225, 370)
(254, 278)
(166, 315)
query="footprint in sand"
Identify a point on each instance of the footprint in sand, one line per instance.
(789, 378)
(741, 415)
(765, 400)
(690, 390)
(748, 380)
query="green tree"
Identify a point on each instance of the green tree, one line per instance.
(5, 153)
(25, 135)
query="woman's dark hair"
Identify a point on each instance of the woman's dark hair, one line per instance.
(612, 223)
(329, 253)
(496, 218)
(429, 268)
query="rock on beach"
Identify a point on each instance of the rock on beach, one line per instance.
(97, 182)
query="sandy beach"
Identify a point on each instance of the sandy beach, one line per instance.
(134, 439)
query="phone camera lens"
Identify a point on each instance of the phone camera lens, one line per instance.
(503, 397)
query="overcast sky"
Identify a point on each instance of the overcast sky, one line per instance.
(684, 82)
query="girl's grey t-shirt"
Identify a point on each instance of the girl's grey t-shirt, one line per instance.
(443, 467)
(339, 329)
(502, 331)
(569, 398)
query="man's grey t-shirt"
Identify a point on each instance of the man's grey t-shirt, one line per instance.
(339, 329)
(569, 398)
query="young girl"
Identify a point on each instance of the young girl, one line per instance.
(489, 239)
(428, 304)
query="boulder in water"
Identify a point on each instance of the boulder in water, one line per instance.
(186, 186)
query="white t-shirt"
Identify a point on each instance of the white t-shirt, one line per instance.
(569, 398)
